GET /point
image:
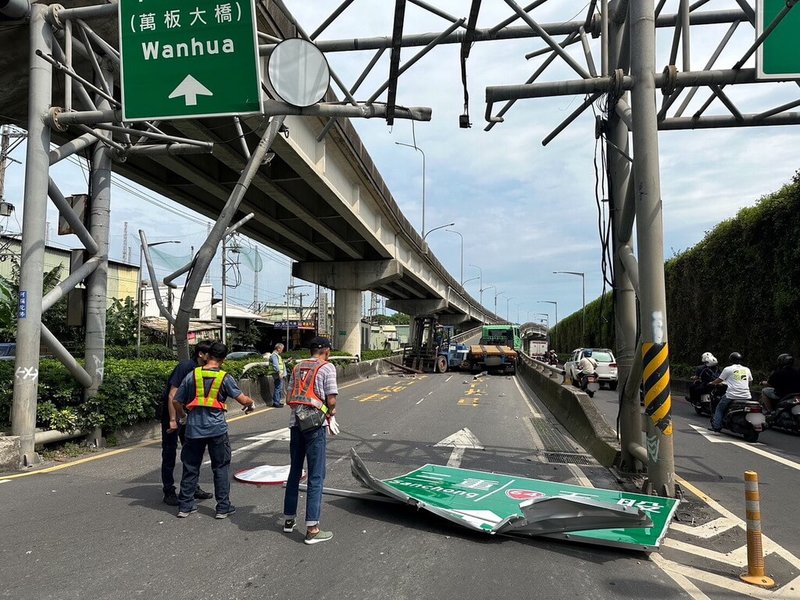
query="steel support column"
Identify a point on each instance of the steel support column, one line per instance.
(650, 235)
(96, 283)
(37, 164)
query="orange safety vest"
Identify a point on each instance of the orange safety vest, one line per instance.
(303, 377)
(212, 399)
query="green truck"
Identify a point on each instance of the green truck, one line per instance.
(498, 349)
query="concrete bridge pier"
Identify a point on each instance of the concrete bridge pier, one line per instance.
(348, 279)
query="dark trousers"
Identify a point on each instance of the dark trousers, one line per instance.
(219, 449)
(169, 451)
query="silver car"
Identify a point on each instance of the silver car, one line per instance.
(606, 365)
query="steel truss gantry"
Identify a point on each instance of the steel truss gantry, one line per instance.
(625, 86)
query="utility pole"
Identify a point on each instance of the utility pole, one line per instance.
(224, 290)
(650, 238)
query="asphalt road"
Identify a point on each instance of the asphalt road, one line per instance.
(98, 529)
(714, 464)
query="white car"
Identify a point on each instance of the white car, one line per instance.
(606, 365)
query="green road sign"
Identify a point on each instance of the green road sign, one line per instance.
(777, 57)
(197, 59)
(485, 500)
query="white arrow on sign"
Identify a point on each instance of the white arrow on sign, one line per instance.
(460, 441)
(190, 89)
(715, 438)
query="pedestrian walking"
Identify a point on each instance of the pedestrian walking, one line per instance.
(277, 368)
(203, 394)
(173, 425)
(312, 397)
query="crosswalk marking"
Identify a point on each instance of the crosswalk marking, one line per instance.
(707, 530)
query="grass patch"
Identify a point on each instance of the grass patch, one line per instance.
(65, 451)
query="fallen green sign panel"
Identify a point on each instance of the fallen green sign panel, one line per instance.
(495, 503)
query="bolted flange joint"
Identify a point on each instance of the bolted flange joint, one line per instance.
(670, 80)
(52, 118)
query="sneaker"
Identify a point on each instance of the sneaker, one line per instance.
(225, 515)
(714, 430)
(288, 525)
(318, 537)
(182, 514)
(277, 406)
(201, 494)
(171, 499)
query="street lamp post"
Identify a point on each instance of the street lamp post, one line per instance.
(480, 283)
(418, 149)
(488, 287)
(468, 280)
(461, 280)
(583, 289)
(435, 228)
(496, 294)
(509, 299)
(139, 295)
(553, 302)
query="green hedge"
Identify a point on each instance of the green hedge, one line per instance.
(129, 394)
(736, 290)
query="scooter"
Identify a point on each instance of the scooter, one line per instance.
(786, 415)
(589, 383)
(744, 417)
(702, 404)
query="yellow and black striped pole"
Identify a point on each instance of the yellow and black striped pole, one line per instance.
(756, 572)
(658, 409)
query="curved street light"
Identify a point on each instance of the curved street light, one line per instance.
(462, 252)
(435, 228)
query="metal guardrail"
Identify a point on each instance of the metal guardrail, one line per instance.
(464, 335)
(552, 372)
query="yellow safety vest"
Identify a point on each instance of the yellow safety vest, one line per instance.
(212, 399)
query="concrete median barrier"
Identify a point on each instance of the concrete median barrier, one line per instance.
(574, 410)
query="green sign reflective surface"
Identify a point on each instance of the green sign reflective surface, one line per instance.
(777, 57)
(484, 500)
(188, 59)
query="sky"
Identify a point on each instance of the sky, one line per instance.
(524, 210)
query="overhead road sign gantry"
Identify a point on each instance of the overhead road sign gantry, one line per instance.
(188, 60)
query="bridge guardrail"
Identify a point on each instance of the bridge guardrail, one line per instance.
(572, 408)
(464, 335)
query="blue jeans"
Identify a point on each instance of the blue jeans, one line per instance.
(719, 414)
(219, 449)
(310, 446)
(277, 395)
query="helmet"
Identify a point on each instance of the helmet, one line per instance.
(708, 359)
(785, 360)
(735, 357)
(587, 352)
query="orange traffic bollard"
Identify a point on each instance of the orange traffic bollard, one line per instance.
(756, 573)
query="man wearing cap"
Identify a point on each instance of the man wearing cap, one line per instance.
(312, 398)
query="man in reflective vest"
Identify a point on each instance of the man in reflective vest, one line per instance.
(277, 368)
(313, 388)
(173, 424)
(203, 394)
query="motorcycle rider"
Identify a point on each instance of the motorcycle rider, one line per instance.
(737, 377)
(783, 381)
(703, 376)
(586, 365)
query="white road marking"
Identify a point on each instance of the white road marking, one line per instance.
(460, 440)
(754, 448)
(678, 578)
(530, 403)
(706, 531)
(261, 439)
(420, 401)
(720, 581)
(448, 379)
(4, 480)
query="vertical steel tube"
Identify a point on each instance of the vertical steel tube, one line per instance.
(225, 290)
(96, 283)
(650, 237)
(34, 219)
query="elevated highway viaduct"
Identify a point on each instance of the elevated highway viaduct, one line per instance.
(320, 200)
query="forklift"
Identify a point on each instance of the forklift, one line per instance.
(430, 349)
